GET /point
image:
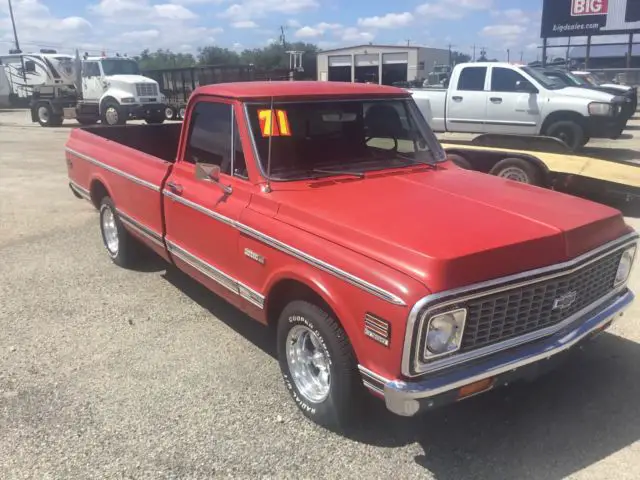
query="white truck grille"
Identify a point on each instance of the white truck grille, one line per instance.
(146, 89)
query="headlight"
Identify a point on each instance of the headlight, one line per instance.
(444, 333)
(601, 109)
(624, 267)
(129, 100)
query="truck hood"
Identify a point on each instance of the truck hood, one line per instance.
(587, 93)
(129, 79)
(451, 227)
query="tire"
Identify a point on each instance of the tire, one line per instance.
(155, 119)
(181, 113)
(585, 140)
(333, 408)
(87, 120)
(122, 248)
(570, 132)
(460, 161)
(112, 114)
(46, 117)
(170, 113)
(518, 170)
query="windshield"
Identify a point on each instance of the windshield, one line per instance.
(541, 78)
(319, 139)
(120, 67)
(576, 79)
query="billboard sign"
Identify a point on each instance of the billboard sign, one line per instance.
(572, 18)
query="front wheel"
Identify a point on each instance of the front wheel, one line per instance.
(112, 114)
(170, 113)
(318, 365)
(570, 132)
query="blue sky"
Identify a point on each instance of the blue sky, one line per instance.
(183, 25)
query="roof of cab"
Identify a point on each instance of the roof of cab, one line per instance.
(283, 88)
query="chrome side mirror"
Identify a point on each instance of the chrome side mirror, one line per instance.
(211, 173)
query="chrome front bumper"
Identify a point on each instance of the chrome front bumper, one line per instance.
(408, 398)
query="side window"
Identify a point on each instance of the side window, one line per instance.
(90, 69)
(504, 80)
(239, 162)
(210, 135)
(472, 79)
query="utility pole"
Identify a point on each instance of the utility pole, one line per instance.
(282, 37)
(408, 41)
(451, 55)
(508, 55)
(474, 52)
(13, 23)
(521, 56)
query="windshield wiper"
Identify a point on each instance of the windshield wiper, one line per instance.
(338, 172)
(415, 160)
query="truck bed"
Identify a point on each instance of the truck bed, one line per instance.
(160, 141)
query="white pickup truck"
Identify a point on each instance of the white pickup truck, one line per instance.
(511, 99)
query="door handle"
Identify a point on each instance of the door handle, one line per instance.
(496, 100)
(175, 188)
(456, 99)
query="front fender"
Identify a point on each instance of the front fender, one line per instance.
(116, 94)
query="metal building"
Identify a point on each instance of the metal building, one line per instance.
(385, 64)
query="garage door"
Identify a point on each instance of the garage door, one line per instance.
(340, 60)
(367, 60)
(391, 58)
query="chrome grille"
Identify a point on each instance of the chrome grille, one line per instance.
(495, 318)
(146, 89)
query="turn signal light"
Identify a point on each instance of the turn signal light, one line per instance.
(476, 388)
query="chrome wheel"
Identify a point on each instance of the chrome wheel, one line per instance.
(110, 231)
(43, 114)
(308, 363)
(181, 112)
(514, 173)
(111, 115)
(168, 113)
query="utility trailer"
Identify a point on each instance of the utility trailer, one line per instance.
(178, 83)
(546, 162)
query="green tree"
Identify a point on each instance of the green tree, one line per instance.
(159, 59)
(459, 57)
(213, 55)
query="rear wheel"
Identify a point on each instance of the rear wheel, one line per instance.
(318, 365)
(181, 113)
(170, 113)
(46, 117)
(155, 119)
(518, 170)
(123, 249)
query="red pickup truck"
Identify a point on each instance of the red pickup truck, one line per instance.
(330, 212)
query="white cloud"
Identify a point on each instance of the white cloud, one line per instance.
(353, 34)
(317, 31)
(503, 30)
(390, 20)
(244, 24)
(293, 23)
(451, 9)
(248, 9)
(140, 11)
(140, 35)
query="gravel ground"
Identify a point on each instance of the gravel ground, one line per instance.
(108, 373)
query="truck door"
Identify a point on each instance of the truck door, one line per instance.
(512, 106)
(466, 107)
(92, 87)
(200, 214)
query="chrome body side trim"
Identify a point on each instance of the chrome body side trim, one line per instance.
(111, 169)
(217, 275)
(81, 191)
(412, 367)
(141, 229)
(403, 398)
(294, 252)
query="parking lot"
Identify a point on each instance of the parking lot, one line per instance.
(110, 373)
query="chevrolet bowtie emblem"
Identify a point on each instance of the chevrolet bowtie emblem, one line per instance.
(565, 301)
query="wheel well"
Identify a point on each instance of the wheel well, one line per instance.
(288, 290)
(560, 116)
(97, 191)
